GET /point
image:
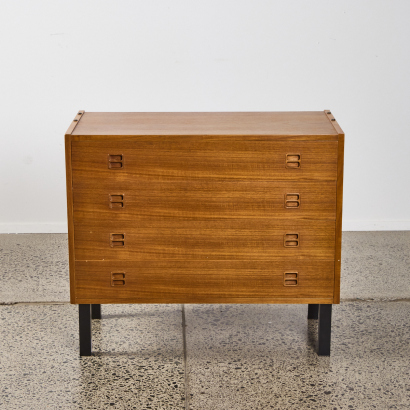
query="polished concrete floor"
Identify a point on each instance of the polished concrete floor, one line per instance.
(205, 356)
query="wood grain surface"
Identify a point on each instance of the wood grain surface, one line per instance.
(196, 158)
(201, 199)
(339, 204)
(238, 239)
(204, 282)
(199, 205)
(202, 123)
(70, 217)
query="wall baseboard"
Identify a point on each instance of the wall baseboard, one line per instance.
(348, 225)
(56, 227)
(375, 225)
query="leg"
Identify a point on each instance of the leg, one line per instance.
(95, 311)
(85, 329)
(325, 328)
(313, 311)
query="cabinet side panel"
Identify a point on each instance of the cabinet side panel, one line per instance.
(339, 204)
(70, 221)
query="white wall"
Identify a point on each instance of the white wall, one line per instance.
(351, 56)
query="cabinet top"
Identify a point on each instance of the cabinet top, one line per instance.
(315, 123)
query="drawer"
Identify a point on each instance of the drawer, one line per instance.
(124, 162)
(211, 239)
(205, 200)
(204, 282)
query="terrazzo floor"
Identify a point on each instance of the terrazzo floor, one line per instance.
(205, 356)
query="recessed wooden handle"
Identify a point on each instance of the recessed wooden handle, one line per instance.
(116, 201)
(292, 201)
(115, 161)
(290, 278)
(291, 240)
(117, 278)
(117, 240)
(293, 161)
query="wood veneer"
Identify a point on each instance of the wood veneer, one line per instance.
(203, 207)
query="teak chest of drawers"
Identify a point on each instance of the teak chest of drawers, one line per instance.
(205, 208)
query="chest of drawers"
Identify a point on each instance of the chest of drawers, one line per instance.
(204, 208)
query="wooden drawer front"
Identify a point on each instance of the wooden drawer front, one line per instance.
(203, 282)
(216, 239)
(205, 200)
(161, 158)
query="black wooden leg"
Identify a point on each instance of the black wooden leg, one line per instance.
(85, 329)
(96, 311)
(325, 328)
(313, 311)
